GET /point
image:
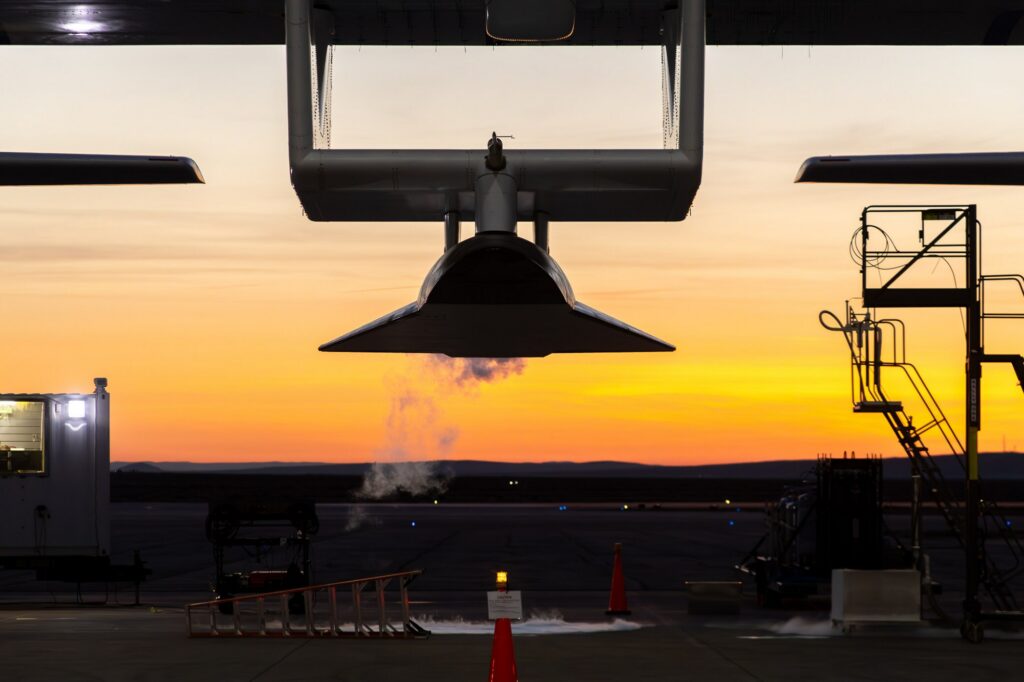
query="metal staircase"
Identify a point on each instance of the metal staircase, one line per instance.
(866, 339)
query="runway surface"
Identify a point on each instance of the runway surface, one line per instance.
(561, 560)
(142, 644)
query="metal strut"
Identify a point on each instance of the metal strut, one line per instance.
(424, 184)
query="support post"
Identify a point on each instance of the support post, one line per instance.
(300, 86)
(924, 581)
(540, 231)
(382, 609)
(101, 465)
(452, 230)
(357, 607)
(496, 203)
(915, 516)
(496, 192)
(975, 553)
(404, 595)
(691, 115)
(332, 592)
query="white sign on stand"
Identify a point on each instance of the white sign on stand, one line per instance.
(505, 605)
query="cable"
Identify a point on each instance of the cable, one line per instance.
(956, 285)
(839, 326)
(875, 261)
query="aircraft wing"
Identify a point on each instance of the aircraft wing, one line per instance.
(19, 168)
(985, 168)
(462, 22)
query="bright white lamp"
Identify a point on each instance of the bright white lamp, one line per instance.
(76, 409)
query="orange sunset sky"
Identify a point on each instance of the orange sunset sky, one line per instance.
(204, 305)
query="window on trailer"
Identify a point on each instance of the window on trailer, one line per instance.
(22, 437)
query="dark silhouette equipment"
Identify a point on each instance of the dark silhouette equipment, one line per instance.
(834, 522)
(262, 531)
(949, 235)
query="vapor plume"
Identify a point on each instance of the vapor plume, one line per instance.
(385, 479)
(416, 431)
(467, 373)
(358, 517)
(414, 428)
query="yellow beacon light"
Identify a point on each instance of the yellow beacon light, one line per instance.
(502, 578)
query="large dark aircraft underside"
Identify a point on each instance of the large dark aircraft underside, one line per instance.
(496, 294)
(461, 22)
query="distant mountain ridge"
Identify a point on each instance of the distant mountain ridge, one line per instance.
(997, 465)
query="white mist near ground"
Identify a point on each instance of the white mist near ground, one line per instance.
(416, 431)
(805, 626)
(799, 626)
(536, 623)
(359, 517)
(415, 478)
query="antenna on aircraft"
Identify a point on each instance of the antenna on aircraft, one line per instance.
(495, 158)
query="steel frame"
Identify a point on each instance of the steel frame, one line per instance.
(970, 297)
(427, 185)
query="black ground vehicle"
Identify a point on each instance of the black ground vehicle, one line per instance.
(276, 536)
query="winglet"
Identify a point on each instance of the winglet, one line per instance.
(987, 168)
(21, 168)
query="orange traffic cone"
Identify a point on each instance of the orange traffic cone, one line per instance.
(503, 658)
(617, 600)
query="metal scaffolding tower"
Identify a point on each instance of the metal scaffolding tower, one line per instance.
(950, 234)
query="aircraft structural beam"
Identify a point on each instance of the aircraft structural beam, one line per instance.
(424, 185)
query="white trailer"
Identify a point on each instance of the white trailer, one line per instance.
(55, 481)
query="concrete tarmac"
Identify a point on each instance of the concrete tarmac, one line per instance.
(560, 559)
(139, 644)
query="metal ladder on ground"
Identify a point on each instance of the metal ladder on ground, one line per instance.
(864, 337)
(311, 611)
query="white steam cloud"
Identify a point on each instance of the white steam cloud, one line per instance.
(468, 372)
(358, 517)
(417, 433)
(385, 479)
